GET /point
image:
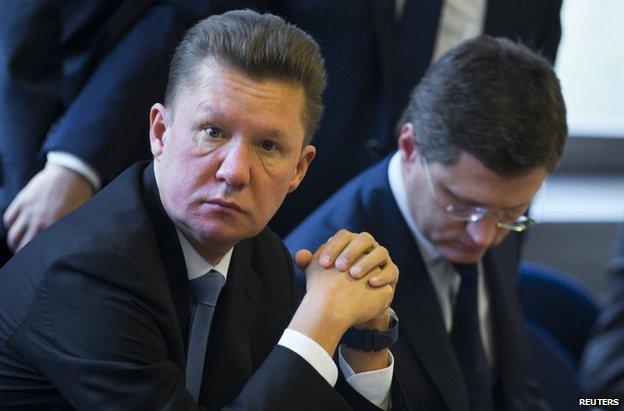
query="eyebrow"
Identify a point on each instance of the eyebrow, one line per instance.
(204, 108)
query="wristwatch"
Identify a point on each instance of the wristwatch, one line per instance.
(371, 340)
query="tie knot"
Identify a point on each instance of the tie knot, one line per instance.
(206, 289)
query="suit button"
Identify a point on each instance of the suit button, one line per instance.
(374, 147)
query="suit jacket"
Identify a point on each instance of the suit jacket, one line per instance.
(373, 63)
(94, 314)
(79, 77)
(426, 367)
(602, 369)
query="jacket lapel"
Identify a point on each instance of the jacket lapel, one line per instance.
(422, 326)
(383, 16)
(229, 363)
(416, 41)
(172, 262)
(511, 351)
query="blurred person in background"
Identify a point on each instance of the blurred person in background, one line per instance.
(602, 364)
(75, 81)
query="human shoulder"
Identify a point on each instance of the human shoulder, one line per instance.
(355, 207)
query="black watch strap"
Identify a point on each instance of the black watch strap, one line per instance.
(370, 340)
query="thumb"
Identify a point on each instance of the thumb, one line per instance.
(303, 258)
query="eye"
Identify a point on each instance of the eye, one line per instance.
(269, 145)
(213, 132)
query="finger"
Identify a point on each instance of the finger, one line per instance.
(360, 245)
(11, 214)
(384, 293)
(333, 247)
(303, 258)
(378, 257)
(389, 275)
(15, 233)
(367, 276)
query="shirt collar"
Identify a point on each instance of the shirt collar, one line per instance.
(196, 266)
(397, 186)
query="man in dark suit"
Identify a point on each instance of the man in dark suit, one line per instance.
(96, 311)
(602, 369)
(75, 80)
(479, 135)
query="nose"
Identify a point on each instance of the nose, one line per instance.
(482, 232)
(236, 163)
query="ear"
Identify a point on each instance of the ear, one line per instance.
(307, 155)
(408, 143)
(158, 127)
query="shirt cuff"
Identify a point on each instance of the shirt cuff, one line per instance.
(312, 352)
(374, 385)
(76, 164)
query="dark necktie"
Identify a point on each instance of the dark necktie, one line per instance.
(467, 342)
(205, 291)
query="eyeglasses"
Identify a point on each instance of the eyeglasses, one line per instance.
(468, 213)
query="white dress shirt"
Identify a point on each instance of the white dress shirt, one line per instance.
(444, 277)
(373, 385)
(77, 165)
(459, 20)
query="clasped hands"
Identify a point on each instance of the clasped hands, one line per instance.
(350, 281)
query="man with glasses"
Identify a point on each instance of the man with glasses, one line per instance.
(475, 143)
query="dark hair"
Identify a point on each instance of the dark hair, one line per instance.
(494, 99)
(262, 46)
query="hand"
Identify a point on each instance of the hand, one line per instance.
(336, 300)
(51, 194)
(357, 253)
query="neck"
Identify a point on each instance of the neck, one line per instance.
(212, 254)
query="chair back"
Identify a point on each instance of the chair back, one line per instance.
(557, 307)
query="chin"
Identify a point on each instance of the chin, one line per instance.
(220, 234)
(459, 256)
(207, 231)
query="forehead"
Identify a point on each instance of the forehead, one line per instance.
(218, 89)
(469, 180)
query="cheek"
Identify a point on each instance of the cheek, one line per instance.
(445, 230)
(272, 189)
(184, 179)
(429, 217)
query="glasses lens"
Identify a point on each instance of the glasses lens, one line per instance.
(465, 213)
(522, 223)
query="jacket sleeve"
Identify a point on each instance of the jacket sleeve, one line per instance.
(100, 345)
(106, 123)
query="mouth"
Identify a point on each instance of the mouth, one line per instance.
(224, 204)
